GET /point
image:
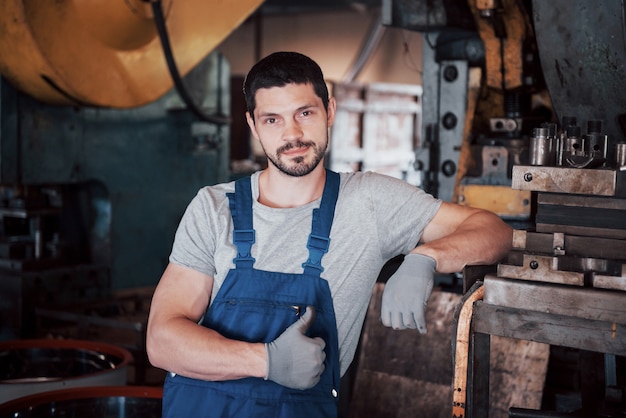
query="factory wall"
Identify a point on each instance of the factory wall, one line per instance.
(334, 40)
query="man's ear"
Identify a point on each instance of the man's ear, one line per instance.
(332, 108)
(251, 125)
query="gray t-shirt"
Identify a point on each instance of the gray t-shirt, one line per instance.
(376, 218)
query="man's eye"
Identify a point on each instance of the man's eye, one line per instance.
(270, 121)
(307, 113)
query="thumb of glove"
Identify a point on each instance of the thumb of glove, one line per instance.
(294, 359)
(304, 323)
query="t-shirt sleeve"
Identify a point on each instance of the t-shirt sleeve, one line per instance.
(402, 211)
(194, 242)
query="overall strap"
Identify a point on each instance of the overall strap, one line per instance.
(319, 240)
(240, 204)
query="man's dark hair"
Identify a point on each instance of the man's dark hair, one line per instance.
(282, 68)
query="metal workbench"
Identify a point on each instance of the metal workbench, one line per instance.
(488, 320)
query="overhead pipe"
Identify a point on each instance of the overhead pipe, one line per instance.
(375, 34)
(159, 19)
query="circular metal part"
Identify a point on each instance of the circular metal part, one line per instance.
(449, 120)
(94, 402)
(528, 177)
(511, 125)
(35, 366)
(534, 265)
(448, 168)
(418, 165)
(450, 73)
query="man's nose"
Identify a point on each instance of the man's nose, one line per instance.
(292, 131)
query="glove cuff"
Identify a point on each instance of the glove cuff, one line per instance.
(421, 259)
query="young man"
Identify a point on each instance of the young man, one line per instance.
(261, 306)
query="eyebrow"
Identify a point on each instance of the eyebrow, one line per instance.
(299, 109)
(267, 114)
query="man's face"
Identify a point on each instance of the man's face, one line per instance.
(292, 125)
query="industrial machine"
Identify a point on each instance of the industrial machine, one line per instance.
(522, 114)
(98, 154)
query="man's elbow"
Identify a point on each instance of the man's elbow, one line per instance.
(154, 348)
(503, 241)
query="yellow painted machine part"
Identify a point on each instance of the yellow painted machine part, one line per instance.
(518, 28)
(107, 52)
(501, 200)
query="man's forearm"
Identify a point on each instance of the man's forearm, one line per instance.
(186, 348)
(482, 239)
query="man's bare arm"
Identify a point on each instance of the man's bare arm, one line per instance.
(175, 342)
(459, 235)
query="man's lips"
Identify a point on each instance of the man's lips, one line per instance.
(294, 149)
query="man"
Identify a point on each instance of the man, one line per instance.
(261, 306)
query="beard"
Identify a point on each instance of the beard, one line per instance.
(297, 166)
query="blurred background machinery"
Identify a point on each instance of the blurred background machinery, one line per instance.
(522, 116)
(98, 153)
(113, 114)
(495, 70)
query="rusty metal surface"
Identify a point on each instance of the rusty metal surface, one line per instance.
(592, 202)
(585, 303)
(562, 330)
(567, 256)
(610, 282)
(557, 243)
(542, 269)
(582, 231)
(595, 182)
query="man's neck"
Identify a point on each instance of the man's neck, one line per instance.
(280, 190)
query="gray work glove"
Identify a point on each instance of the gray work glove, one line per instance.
(295, 360)
(406, 293)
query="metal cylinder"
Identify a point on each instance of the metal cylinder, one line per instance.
(559, 144)
(595, 145)
(573, 143)
(551, 127)
(594, 126)
(620, 155)
(540, 147)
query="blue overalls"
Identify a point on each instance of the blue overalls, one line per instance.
(257, 306)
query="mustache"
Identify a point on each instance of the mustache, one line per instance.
(295, 144)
